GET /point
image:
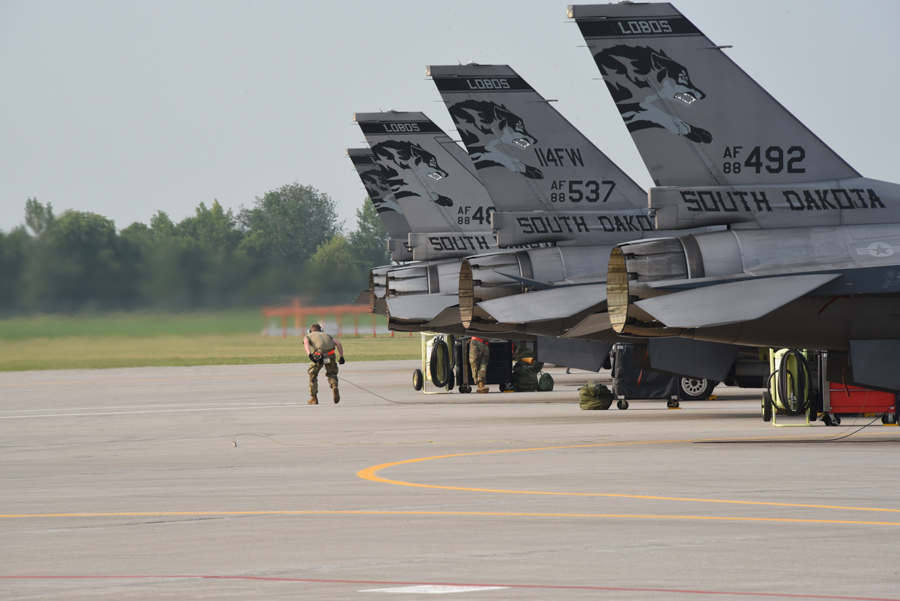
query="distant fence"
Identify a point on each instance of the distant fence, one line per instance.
(301, 315)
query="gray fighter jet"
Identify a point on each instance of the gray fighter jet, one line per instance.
(448, 211)
(810, 257)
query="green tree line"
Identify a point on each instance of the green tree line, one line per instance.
(288, 243)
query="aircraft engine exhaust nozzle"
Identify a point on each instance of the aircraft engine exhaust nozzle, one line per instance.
(482, 278)
(632, 267)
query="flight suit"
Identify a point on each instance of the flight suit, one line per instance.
(479, 355)
(322, 343)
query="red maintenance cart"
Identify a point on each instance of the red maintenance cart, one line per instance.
(840, 399)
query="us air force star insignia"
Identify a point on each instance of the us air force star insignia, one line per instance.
(879, 249)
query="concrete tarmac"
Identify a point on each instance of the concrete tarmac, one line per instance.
(126, 484)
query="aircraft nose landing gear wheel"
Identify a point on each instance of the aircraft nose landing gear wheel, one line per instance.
(695, 389)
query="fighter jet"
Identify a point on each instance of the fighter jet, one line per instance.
(810, 257)
(448, 211)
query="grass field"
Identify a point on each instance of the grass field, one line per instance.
(157, 339)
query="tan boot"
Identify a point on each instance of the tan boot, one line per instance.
(313, 401)
(482, 388)
(337, 395)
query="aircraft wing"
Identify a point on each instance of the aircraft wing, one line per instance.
(420, 306)
(731, 302)
(543, 305)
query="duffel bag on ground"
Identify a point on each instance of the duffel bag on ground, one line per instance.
(525, 378)
(545, 382)
(594, 395)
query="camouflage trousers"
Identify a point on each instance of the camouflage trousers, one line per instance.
(479, 355)
(331, 372)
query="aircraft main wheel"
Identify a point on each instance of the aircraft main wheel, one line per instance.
(695, 389)
(418, 379)
(623, 404)
(767, 406)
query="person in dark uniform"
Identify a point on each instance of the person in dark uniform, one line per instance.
(321, 347)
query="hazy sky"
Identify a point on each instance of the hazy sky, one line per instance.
(124, 108)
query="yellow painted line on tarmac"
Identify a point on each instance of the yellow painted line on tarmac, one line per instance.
(444, 513)
(371, 473)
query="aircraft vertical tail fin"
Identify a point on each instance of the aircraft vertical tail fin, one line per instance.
(430, 175)
(389, 211)
(696, 117)
(527, 154)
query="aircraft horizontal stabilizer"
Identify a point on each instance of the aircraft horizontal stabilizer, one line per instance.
(446, 318)
(543, 305)
(731, 302)
(591, 326)
(528, 282)
(420, 306)
(380, 306)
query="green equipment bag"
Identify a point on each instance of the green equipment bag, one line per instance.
(545, 382)
(524, 377)
(594, 395)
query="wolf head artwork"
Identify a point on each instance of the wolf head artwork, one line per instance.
(642, 81)
(410, 168)
(488, 129)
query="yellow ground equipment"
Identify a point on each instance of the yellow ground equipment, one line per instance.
(789, 389)
(437, 363)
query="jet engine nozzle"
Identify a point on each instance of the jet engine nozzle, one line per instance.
(484, 278)
(633, 266)
(378, 284)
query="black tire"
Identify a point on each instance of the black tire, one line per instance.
(623, 404)
(465, 388)
(451, 380)
(440, 357)
(418, 379)
(766, 406)
(695, 389)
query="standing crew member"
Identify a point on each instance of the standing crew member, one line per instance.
(479, 355)
(320, 348)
